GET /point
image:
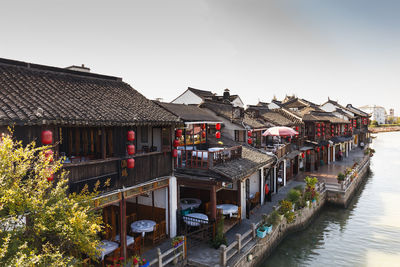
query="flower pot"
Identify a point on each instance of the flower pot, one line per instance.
(308, 203)
(145, 265)
(261, 232)
(268, 229)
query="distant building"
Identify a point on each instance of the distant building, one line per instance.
(391, 112)
(377, 113)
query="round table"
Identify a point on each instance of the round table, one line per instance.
(190, 203)
(228, 209)
(195, 219)
(215, 149)
(106, 247)
(143, 226)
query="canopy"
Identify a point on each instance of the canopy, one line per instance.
(280, 131)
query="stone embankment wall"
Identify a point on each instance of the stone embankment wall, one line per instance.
(343, 198)
(384, 129)
(256, 252)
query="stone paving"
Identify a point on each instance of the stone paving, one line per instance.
(329, 172)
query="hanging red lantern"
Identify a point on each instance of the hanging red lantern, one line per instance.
(318, 134)
(49, 155)
(218, 126)
(174, 153)
(203, 134)
(308, 152)
(249, 141)
(130, 149)
(203, 126)
(317, 149)
(130, 163)
(50, 177)
(249, 133)
(178, 133)
(130, 136)
(318, 125)
(47, 137)
(318, 129)
(322, 148)
(218, 135)
(297, 128)
(175, 143)
(302, 155)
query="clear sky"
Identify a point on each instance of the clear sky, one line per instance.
(346, 49)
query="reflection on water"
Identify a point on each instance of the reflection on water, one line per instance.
(365, 234)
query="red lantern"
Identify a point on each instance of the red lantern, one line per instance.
(297, 128)
(308, 152)
(49, 155)
(323, 124)
(218, 135)
(317, 149)
(178, 133)
(130, 136)
(249, 141)
(175, 143)
(130, 149)
(47, 137)
(203, 126)
(318, 134)
(218, 126)
(302, 155)
(203, 134)
(318, 129)
(174, 153)
(249, 133)
(50, 177)
(323, 148)
(130, 163)
(318, 125)
(290, 140)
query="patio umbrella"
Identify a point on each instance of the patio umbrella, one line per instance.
(280, 131)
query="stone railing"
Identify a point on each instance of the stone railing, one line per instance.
(179, 251)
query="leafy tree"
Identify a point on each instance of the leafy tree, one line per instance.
(40, 223)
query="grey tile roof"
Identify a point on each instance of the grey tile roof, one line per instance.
(189, 112)
(37, 94)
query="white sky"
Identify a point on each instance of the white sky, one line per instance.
(348, 50)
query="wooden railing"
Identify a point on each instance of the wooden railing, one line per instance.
(280, 150)
(179, 251)
(147, 167)
(203, 159)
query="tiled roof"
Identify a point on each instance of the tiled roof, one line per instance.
(323, 116)
(37, 94)
(189, 112)
(357, 111)
(201, 93)
(277, 118)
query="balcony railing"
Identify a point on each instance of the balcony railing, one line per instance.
(147, 167)
(279, 150)
(205, 159)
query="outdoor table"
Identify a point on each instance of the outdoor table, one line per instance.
(190, 203)
(143, 226)
(195, 219)
(129, 240)
(215, 149)
(107, 247)
(228, 209)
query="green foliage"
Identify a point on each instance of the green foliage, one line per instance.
(311, 182)
(290, 216)
(294, 196)
(369, 151)
(219, 236)
(40, 224)
(285, 206)
(348, 171)
(273, 218)
(341, 176)
(310, 193)
(299, 187)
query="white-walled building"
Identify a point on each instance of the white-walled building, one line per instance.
(377, 113)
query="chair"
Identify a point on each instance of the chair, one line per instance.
(114, 255)
(238, 216)
(155, 235)
(163, 230)
(207, 208)
(255, 200)
(136, 248)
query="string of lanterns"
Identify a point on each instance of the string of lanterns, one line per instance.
(130, 148)
(47, 139)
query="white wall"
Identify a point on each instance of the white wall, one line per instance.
(237, 102)
(228, 128)
(254, 183)
(159, 199)
(187, 98)
(328, 107)
(273, 106)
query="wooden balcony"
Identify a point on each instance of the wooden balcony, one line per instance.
(205, 159)
(280, 150)
(147, 167)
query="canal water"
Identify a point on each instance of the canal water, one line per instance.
(367, 233)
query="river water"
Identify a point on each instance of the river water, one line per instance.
(367, 233)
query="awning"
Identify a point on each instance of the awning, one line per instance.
(341, 139)
(293, 154)
(305, 148)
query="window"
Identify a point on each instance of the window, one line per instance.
(144, 134)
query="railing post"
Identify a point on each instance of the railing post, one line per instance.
(159, 257)
(253, 228)
(223, 254)
(184, 247)
(239, 242)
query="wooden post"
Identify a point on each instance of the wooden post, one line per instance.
(253, 228)
(159, 255)
(122, 234)
(239, 242)
(223, 255)
(103, 144)
(213, 200)
(185, 247)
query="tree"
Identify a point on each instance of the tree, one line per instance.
(40, 223)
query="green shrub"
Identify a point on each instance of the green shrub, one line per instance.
(294, 196)
(285, 206)
(220, 238)
(341, 176)
(273, 218)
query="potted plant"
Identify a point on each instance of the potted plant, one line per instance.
(262, 231)
(177, 241)
(143, 263)
(135, 260)
(340, 177)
